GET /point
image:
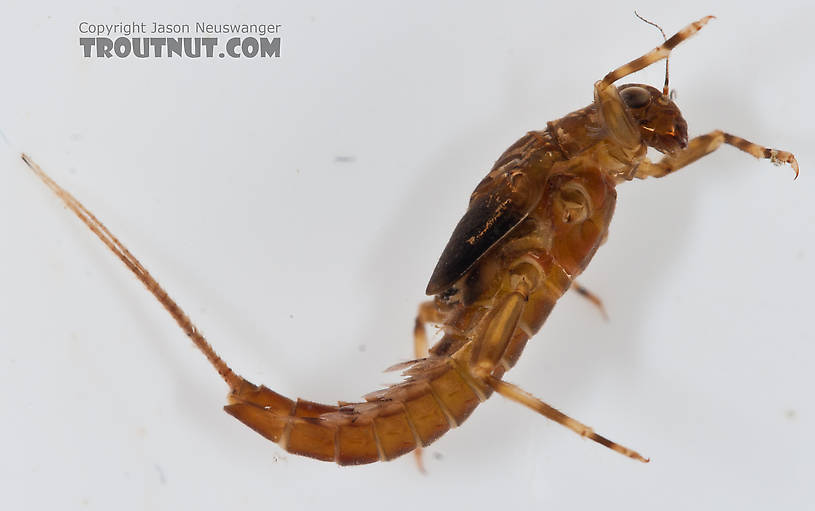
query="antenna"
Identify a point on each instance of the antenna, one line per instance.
(665, 87)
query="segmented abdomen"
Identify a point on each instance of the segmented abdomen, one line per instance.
(393, 421)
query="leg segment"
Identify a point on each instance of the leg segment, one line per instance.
(428, 313)
(519, 395)
(501, 321)
(655, 55)
(706, 144)
(593, 298)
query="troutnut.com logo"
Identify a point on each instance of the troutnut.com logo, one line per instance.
(154, 39)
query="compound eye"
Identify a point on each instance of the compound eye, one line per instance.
(635, 97)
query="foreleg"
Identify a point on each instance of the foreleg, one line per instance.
(660, 52)
(705, 144)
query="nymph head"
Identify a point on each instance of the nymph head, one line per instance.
(660, 121)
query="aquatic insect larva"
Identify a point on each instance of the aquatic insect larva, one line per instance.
(532, 226)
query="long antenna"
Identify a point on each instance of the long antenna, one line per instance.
(665, 87)
(233, 380)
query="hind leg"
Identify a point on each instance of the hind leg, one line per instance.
(428, 313)
(519, 395)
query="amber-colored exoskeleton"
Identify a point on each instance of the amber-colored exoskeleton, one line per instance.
(532, 226)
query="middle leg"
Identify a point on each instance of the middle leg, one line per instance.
(593, 298)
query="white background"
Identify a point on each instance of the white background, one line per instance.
(223, 177)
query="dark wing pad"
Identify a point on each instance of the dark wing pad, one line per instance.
(491, 215)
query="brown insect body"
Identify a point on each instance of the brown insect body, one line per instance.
(533, 224)
(442, 390)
